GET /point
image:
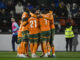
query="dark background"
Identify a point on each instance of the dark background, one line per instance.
(62, 13)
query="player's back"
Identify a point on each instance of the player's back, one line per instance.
(33, 25)
(44, 24)
(50, 17)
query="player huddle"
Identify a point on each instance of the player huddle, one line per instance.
(37, 27)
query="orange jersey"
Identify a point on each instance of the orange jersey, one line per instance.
(44, 24)
(33, 25)
(50, 17)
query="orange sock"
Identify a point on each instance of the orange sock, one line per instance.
(35, 47)
(20, 48)
(48, 47)
(44, 47)
(26, 51)
(53, 50)
(23, 47)
(31, 47)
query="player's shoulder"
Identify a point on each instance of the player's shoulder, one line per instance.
(32, 18)
(24, 14)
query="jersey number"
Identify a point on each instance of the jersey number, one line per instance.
(33, 22)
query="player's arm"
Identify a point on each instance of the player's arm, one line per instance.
(33, 15)
(24, 23)
(24, 19)
(52, 19)
(47, 17)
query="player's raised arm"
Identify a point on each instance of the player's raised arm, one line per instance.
(25, 18)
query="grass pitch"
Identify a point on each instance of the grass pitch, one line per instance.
(59, 56)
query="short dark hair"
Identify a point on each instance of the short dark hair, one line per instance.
(46, 10)
(26, 9)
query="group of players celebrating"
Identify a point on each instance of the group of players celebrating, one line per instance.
(37, 27)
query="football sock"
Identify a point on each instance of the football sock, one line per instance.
(26, 51)
(53, 50)
(31, 47)
(44, 47)
(48, 48)
(35, 48)
(18, 50)
(23, 47)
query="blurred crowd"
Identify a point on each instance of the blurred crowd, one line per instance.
(64, 10)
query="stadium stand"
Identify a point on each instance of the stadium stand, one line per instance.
(64, 10)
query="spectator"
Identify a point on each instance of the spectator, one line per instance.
(10, 6)
(2, 5)
(24, 2)
(62, 10)
(15, 28)
(74, 10)
(77, 20)
(75, 40)
(19, 9)
(53, 7)
(68, 6)
(56, 3)
(29, 6)
(42, 6)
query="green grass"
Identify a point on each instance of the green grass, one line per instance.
(59, 56)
